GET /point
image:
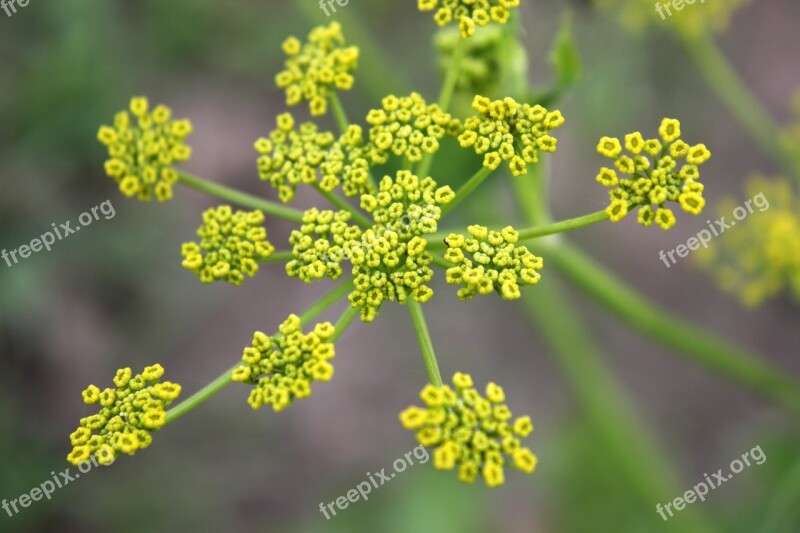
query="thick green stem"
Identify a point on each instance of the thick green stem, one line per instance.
(239, 197)
(344, 322)
(467, 189)
(341, 203)
(425, 343)
(339, 112)
(718, 73)
(224, 379)
(726, 359)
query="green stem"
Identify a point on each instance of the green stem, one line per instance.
(782, 510)
(341, 203)
(239, 197)
(339, 112)
(425, 343)
(467, 189)
(278, 257)
(718, 73)
(563, 226)
(702, 348)
(446, 96)
(344, 322)
(224, 379)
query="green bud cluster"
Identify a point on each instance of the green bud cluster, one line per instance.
(282, 368)
(142, 153)
(231, 245)
(317, 68)
(351, 158)
(502, 125)
(653, 182)
(391, 262)
(490, 261)
(320, 245)
(470, 431)
(128, 415)
(409, 127)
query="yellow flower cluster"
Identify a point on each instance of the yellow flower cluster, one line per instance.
(409, 127)
(143, 148)
(472, 432)
(759, 259)
(490, 262)
(469, 13)
(501, 125)
(317, 68)
(128, 415)
(654, 176)
(351, 158)
(231, 244)
(391, 262)
(292, 156)
(319, 246)
(690, 20)
(282, 367)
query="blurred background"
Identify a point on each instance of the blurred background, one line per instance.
(115, 295)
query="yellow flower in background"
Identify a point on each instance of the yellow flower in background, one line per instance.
(471, 433)
(317, 68)
(143, 146)
(692, 19)
(469, 14)
(759, 258)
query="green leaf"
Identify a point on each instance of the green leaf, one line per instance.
(564, 56)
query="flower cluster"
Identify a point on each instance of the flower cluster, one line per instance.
(470, 431)
(469, 13)
(128, 415)
(292, 156)
(655, 179)
(317, 68)
(490, 262)
(501, 125)
(351, 158)
(143, 148)
(391, 262)
(282, 367)
(693, 21)
(231, 244)
(320, 244)
(409, 127)
(760, 259)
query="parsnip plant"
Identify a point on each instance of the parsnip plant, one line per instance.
(385, 239)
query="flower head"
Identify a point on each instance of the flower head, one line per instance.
(291, 156)
(469, 13)
(129, 413)
(282, 368)
(347, 162)
(490, 261)
(231, 244)
(390, 262)
(652, 175)
(409, 127)
(760, 258)
(142, 146)
(500, 126)
(469, 431)
(320, 245)
(317, 68)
